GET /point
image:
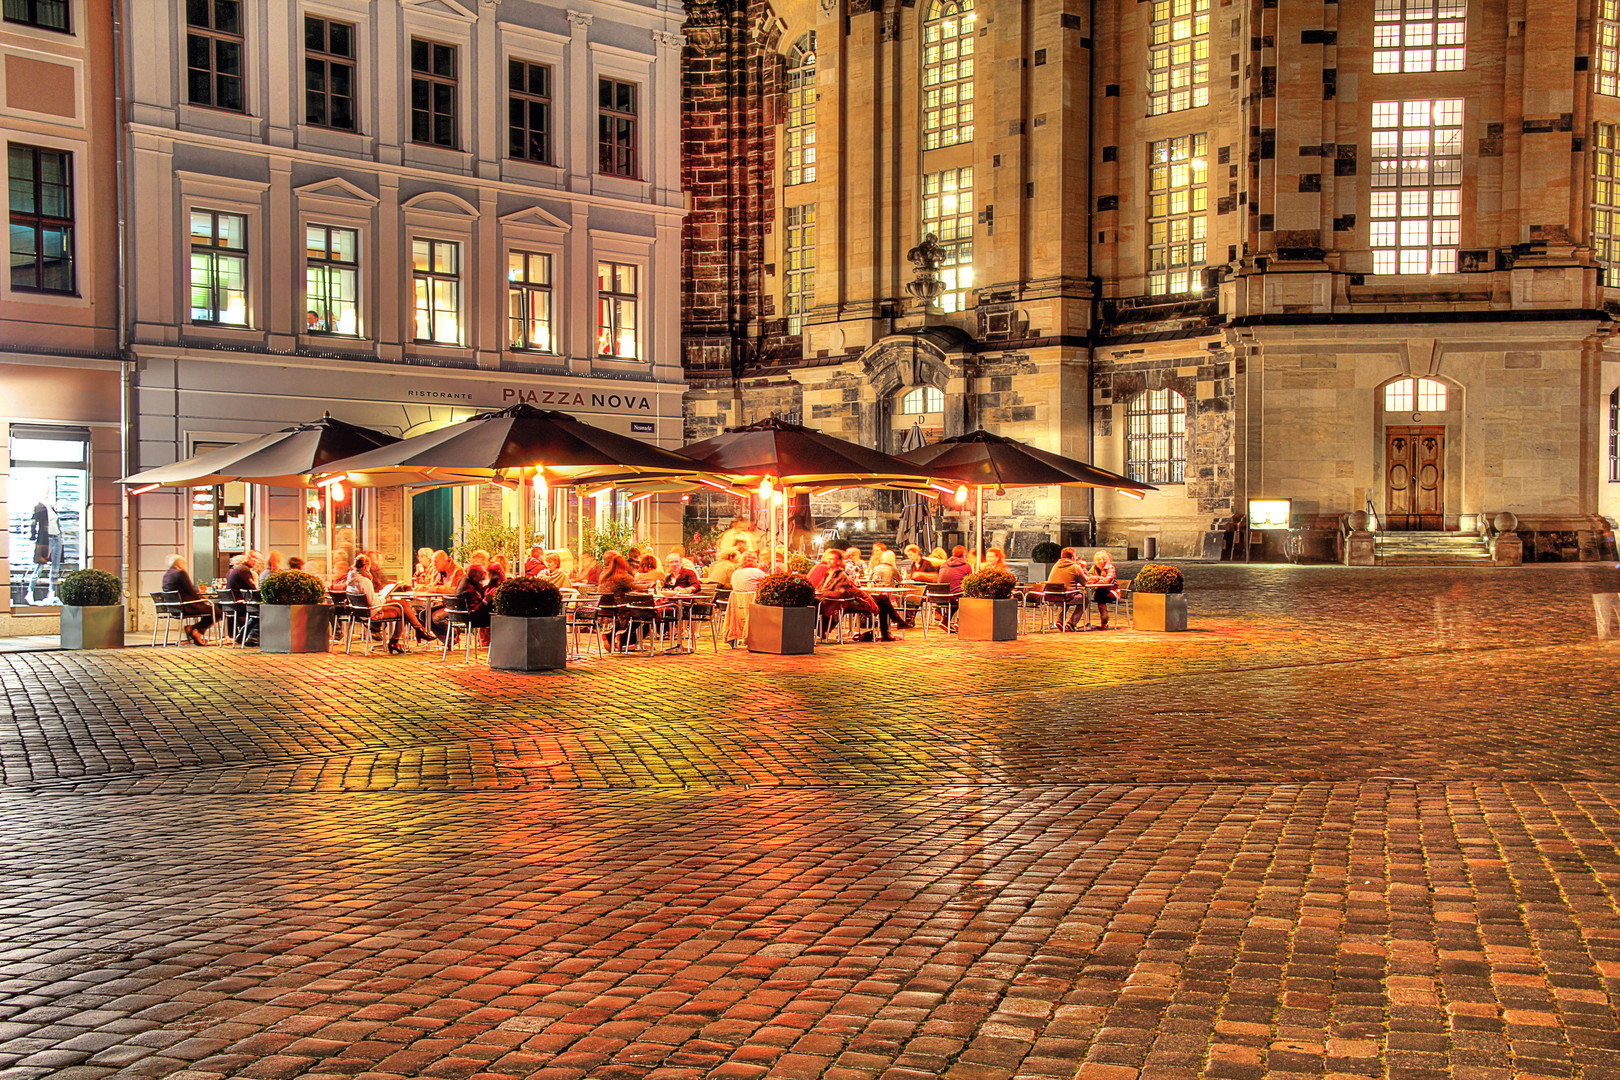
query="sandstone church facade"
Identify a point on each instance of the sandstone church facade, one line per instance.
(1355, 256)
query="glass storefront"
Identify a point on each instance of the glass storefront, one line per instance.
(47, 502)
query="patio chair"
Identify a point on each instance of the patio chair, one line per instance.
(458, 623)
(360, 619)
(168, 614)
(937, 599)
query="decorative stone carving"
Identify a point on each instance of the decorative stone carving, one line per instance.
(926, 257)
(669, 40)
(1506, 522)
(580, 19)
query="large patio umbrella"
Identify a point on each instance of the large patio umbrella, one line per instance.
(984, 459)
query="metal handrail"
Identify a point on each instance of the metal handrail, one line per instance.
(1372, 515)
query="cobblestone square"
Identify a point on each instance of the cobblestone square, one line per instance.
(1353, 824)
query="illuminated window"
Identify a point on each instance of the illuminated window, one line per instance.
(922, 399)
(1606, 201)
(1417, 186)
(616, 128)
(528, 111)
(1156, 437)
(331, 280)
(214, 54)
(948, 214)
(45, 14)
(433, 93)
(1419, 35)
(800, 133)
(1178, 57)
(1415, 395)
(328, 73)
(41, 182)
(1608, 47)
(436, 274)
(799, 256)
(1178, 204)
(948, 31)
(616, 304)
(218, 268)
(528, 283)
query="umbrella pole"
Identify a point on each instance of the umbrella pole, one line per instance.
(580, 538)
(328, 490)
(523, 513)
(980, 489)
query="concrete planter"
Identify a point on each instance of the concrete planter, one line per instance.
(295, 628)
(1040, 571)
(790, 631)
(99, 627)
(1161, 612)
(978, 619)
(517, 644)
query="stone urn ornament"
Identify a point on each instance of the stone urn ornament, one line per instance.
(926, 288)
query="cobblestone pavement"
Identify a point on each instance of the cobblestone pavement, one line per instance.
(1355, 824)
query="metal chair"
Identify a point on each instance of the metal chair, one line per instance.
(228, 609)
(360, 619)
(248, 624)
(706, 609)
(458, 623)
(643, 610)
(167, 615)
(585, 618)
(937, 598)
(340, 612)
(1123, 603)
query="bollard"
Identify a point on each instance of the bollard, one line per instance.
(1150, 547)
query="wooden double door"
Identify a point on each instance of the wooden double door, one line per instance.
(1414, 478)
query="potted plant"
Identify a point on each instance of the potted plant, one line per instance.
(527, 631)
(987, 611)
(1157, 600)
(799, 563)
(1041, 559)
(783, 616)
(294, 616)
(92, 610)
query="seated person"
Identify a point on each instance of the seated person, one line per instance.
(721, 569)
(648, 576)
(955, 570)
(884, 572)
(422, 573)
(1103, 580)
(363, 590)
(446, 576)
(552, 571)
(495, 570)
(177, 579)
(919, 568)
(476, 600)
(1069, 572)
(590, 571)
(818, 573)
(842, 594)
(295, 563)
(241, 581)
(680, 578)
(535, 564)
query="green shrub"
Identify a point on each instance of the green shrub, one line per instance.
(484, 532)
(1045, 552)
(528, 598)
(991, 583)
(1158, 578)
(799, 562)
(90, 588)
(613, 536)
(785, 590)
(287, 588)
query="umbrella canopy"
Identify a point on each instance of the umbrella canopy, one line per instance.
(793, 455)
(994, 461)
(502, 445)
(284, 458)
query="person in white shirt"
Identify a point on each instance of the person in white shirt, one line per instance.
(744, 583)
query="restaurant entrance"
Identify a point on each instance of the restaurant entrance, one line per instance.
(432, 520)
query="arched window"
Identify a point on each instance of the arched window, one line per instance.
(922, 399)
(1156, 437)
(1614, 436)
(1415, 395)
(799, 167)
(948, 32)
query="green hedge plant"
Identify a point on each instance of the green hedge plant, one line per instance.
(785, 590)
(991, 583)
(1045, 552)
(90, 588)
(528, 598)
(799, 562)
(292, 588)
(1158, 578)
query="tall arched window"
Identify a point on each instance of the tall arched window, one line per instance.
(948, 31)
(800, 164)
(1156, 437)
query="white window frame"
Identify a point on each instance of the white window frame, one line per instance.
(798, 278)
(803, 96)
(1413, 36)
(1416, 220)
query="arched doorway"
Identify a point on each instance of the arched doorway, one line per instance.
(1418, 461)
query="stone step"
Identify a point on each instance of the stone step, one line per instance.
(1431, 549)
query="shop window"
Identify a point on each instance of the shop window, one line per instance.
(328, 73)
(45, 14)
(47, 506)
(616, 308)
(616, 128)
(214, 54)
(331, 280)
(922, 399)
(1156, 437)
(528, 109)
(41, 219)
(433, 93)
(1415, 395)
(218, 268)
(528, 282)
(436, 272)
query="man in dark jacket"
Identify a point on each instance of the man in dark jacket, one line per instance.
(193, 604)
(242, 580)
(1070, 572)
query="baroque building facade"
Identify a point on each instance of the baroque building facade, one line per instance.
(1352, 256)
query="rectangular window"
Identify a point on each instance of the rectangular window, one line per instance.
(1416, 209)
(948, 38)
(1178, 56)
(214, 54)
(1608, 47)
(328, 73)
(218, 268)
(616, 128)
(528, 111)
(528, 283)
(1419, 35)
(433, 93)
(799, 257)
(616, 302)
(947, 212)
(436, 273)
(45, 14)
(41, 219)
(1606, 201)
(799, 133)
(1178, 214)
(331, 280)
(46, 509)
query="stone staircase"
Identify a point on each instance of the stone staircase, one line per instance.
(1431, 549)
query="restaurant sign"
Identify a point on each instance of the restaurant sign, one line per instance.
(603, 401)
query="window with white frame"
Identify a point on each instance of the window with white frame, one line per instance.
(528, 111)
(617, 130)
(1419, 35)
(214, 48)
(331, 280)
(1607, 61)
(1156, 437)
(218, 268)
(799, 167)
(1416, 200)
(1606, 201)
(799, 258)
(948, 34)
(528, 301)
(922, 399)
(45, 14)
(1178, 56)
(1415, 395)
(436, 275)
(617, 304)
(329, 60)
(947, 212)
(41, 185)
(1178, 214)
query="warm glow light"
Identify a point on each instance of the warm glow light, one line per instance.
(1270, 513)
(331, 480)
(777, 498)
(1129, 494)
(599, 492)
(940, 488)
(640, 498)
(961, 493)
(686, 498)
(144, 490)
(715, 484)
(766, 487)
(824, 491)
(338, 494)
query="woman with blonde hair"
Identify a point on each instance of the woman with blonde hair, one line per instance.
(1102, 578)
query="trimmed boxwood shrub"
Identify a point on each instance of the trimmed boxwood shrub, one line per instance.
(90, 588)
(292, 588)
(528, 598)
(1045, 552)
(785, 590)
(1158, 578)
(991, 583)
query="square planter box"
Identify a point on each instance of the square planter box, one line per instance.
(987, 620)
(295, 628)
(790, 631)
(1159, 611)
(528, 644)
(100, 627)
